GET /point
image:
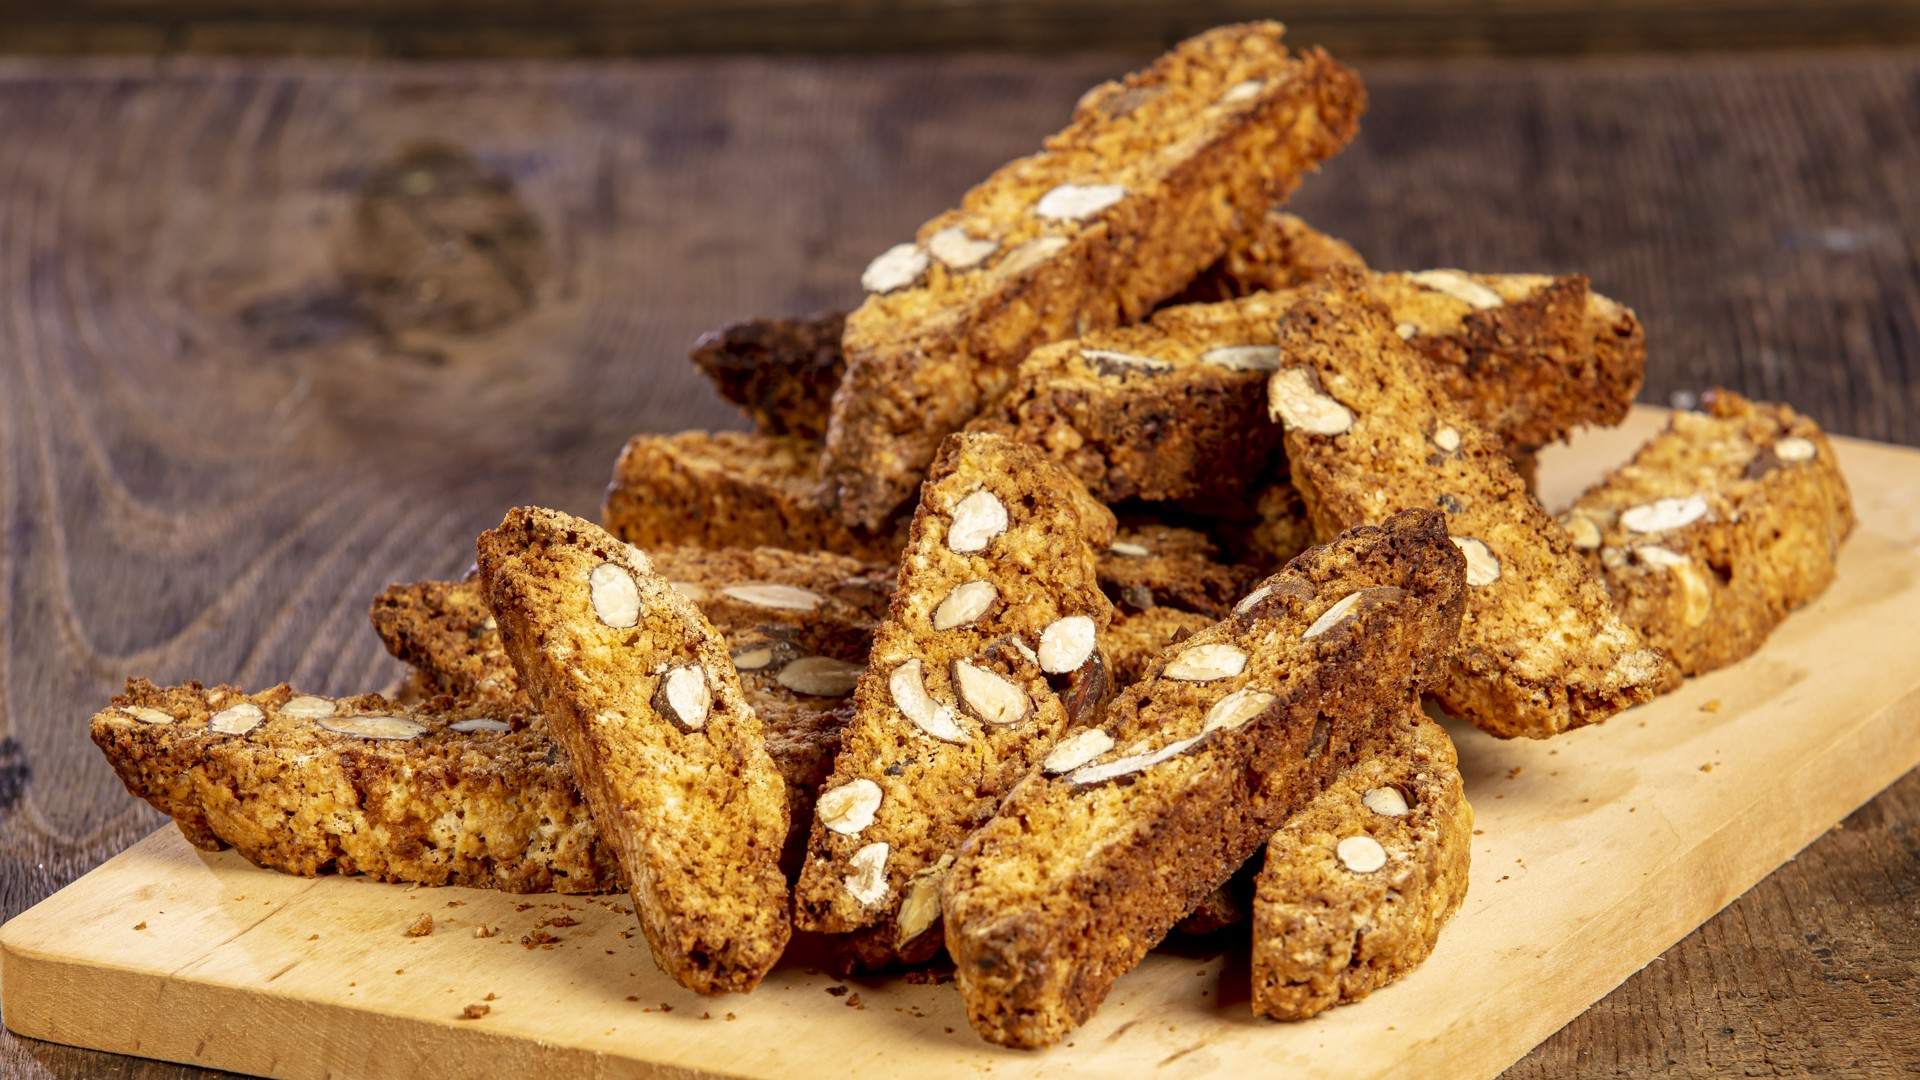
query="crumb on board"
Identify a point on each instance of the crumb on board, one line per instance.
(483, 931)
(854, 1002)
(421, 927)
(1712, 706)
(837, 990)
(475, 1011)
(1708, 767)
(141, 925)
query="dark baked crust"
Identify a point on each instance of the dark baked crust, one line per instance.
(781, 371)
(731, 489)
(1151, 564)
(1215, 132)
(1766, 540)
(680, 785)
(1327, 932)
(486, 808)
(1542, 650)
(1084, 869)
(932, 781)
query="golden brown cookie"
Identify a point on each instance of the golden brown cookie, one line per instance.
(1719, 526)
(1142, 191)
(638, 688)
(1370, 432)
(1131, 821)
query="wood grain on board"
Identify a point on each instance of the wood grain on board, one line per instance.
(272, 336)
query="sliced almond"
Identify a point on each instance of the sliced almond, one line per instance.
(752, 657)
(479, 723)
(395, 728)
(1295, 400)
(959, 251)
(967, 602)
(989, 696)
(1446, 438)
(849, 808)
(1243, 357)
(1114, 362)
(820, 676)
(1331, 617)
(1406, 330)
(615, 595)
(1242, 91)
(1361, 854)
(308, 707)
(1076, 750)
(1482, 567)
(868, 882)
(1030, 254)
(1246, 602)
(1459, 286)
(237, 720)
(1385, 801)
(1133, 763)
(684, 697)
(1582, 531)
(1077, 202)
(1696, 596)
(768, 595)
(1236, 709)
(1793, 450)
(150, 715)
(1130, 549)
(690, 590)
(895, 268)
(976, 520)
(1205, 663)
(922, 906)
(909, 687)
(1664, 515)
(1066, 644)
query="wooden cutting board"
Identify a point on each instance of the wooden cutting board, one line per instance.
(1594, 852)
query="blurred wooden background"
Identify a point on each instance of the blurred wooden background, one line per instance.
(556, 28)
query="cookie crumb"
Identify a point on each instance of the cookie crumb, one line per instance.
(664, 1007)
(1712, 706)
(421, 927)
(141, 925)
(538, 938)
(475, 1011)
(1513, 772)
(730, 1016)
(854, 1002)
(837, 990)
(310, 937)
(483, 931)
(1708, 767)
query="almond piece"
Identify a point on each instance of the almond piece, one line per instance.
(766, 594)
(684, 698)
(909, 687)
(1066, 644)
(977, 519)
(237, 720)
(964, 604)
(1205, 663)
(1482, 567)
(849, 808)
(868, 882)
(1294, 400)
(895, 268)
(615, 595)
(1076, 750)
(308, 707)
(1361, 854)
(988, 696)
(1077, 202)
(820, 676)
(1459, 286)
(395, 728)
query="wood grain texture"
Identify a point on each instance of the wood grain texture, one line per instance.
(563, 28)
(213, 451)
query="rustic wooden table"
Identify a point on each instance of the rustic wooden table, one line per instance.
(275, 334)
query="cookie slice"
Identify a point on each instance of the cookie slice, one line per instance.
(1280, 251)
(990, 652)
(1151, 564)
(637, 686)
(1371, 432)
(1141, 192)
(1356, 885)
(1130, 823)
(1172, 408)
(447, 794)
(1719, 526)
(781, 371)
(729, 489)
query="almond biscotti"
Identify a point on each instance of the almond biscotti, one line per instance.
(638, 688)
(781, 371)
(1720, 525)
(1152, 564)
(1280, 251)
(730, 489)
(1142, 191)
(1135, 818)
(1370, 432)
(1355, 886)
(1172, 408)
(990, 652)
(446, 794)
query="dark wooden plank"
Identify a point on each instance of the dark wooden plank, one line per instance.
(266, 344)
(560, 28)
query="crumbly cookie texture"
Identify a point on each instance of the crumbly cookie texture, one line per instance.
(1172, 408)
(1151, 564)
(444, 630)
(992, 650)
(1130, 822)
(1356, 885)
(1137, 638)
(1530, 356)
(730, 489)
(1280, 251)
(447, 794)
(781, 371)
(1720, 525)
(1370, 432)
(1121, 209)
(638, 688)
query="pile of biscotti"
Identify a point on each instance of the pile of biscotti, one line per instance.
(1006, 633)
